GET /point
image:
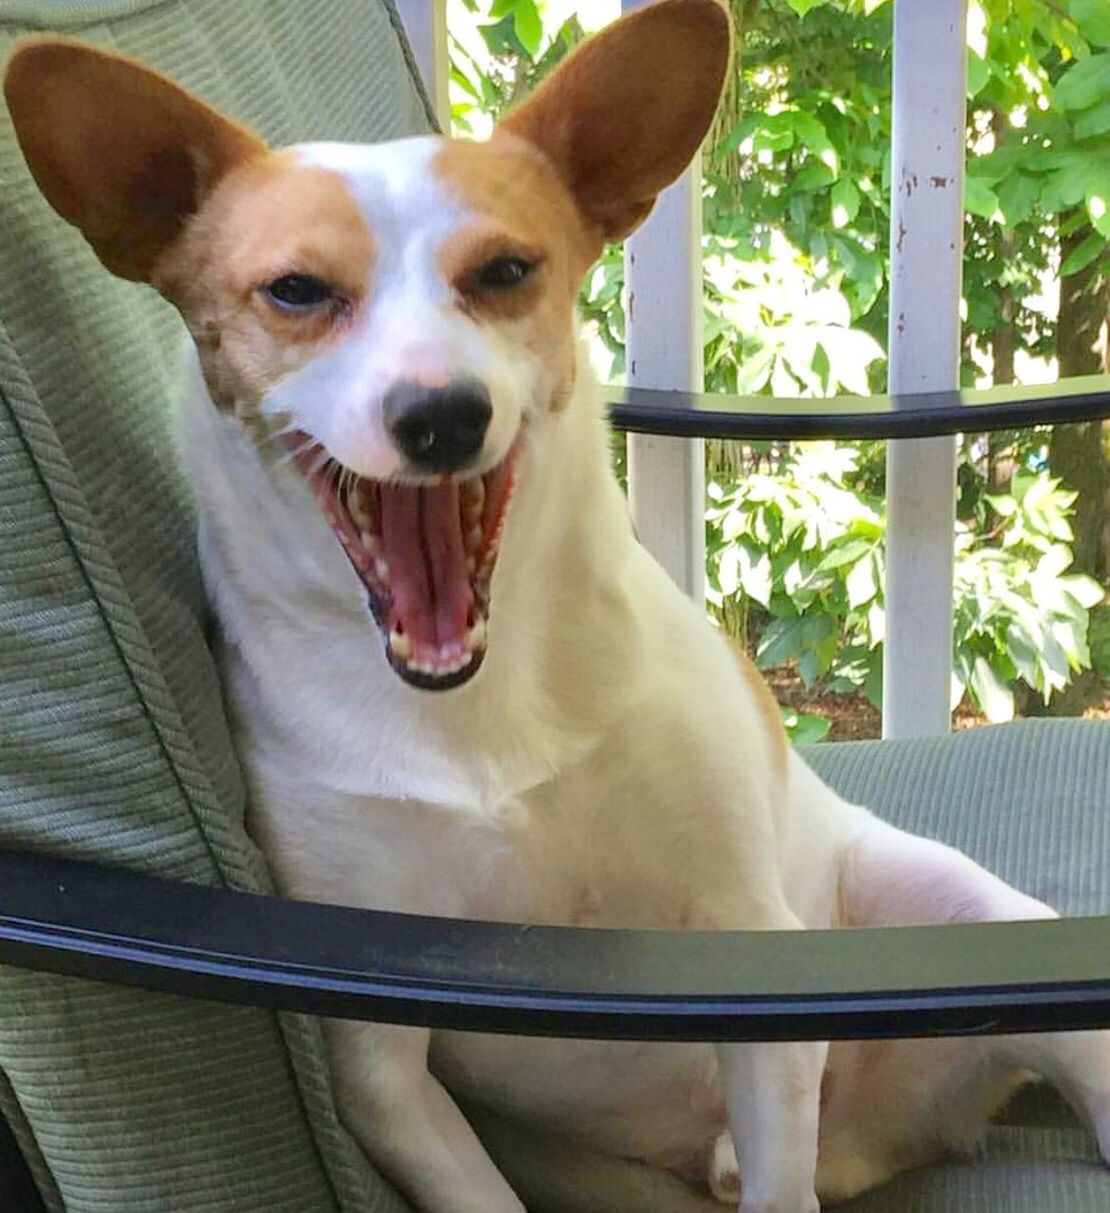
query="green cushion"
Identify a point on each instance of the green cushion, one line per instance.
(1030, 801)
(113, 744)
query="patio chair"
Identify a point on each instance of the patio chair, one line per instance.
(123, 858)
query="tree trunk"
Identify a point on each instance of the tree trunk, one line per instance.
(1077, 453)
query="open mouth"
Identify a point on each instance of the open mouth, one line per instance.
(425, 553)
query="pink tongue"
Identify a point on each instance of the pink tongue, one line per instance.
(422, 543)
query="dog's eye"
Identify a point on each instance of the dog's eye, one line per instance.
(297, 292)
(503, 273)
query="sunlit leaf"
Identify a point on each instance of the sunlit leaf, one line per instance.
(993, 695)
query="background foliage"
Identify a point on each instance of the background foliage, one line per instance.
(795, 262)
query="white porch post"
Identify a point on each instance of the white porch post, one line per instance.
(425, 23)
(926, 248)
(666, 476)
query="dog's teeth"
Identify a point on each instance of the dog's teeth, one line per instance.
(471, 565)
(369, 542)
(476, 637)
(473, 500)
(474, 538)
(381, 569)
(400, 645)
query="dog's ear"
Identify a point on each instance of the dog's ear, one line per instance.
(118, 150)
(621, 117)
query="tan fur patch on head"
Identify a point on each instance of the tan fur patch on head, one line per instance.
(521, 209)
(269, 218)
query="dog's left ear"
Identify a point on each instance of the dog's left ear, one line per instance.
(622, 116)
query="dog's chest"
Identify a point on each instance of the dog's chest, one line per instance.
(542, 857)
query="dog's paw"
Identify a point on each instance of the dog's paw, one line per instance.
(724, 1171)
(723, 1177)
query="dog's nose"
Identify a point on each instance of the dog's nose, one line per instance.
(438, 429)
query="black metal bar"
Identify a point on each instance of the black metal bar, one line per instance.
(925, 414)
(111, 925)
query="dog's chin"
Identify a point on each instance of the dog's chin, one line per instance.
(435, 682)
(425, 553)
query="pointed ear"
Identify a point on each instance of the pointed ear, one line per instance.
(118, 150)
(622, 116)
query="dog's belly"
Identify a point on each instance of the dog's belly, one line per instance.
(659, 1102)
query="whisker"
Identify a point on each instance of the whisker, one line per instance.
(294, 453)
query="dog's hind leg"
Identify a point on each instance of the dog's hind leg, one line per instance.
(889, 877)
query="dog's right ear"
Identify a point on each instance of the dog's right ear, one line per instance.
(117, 149)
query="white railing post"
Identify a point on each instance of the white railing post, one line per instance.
(666, 476)
(425, 23)
(926, 250)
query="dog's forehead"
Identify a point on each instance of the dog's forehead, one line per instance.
(394, 185)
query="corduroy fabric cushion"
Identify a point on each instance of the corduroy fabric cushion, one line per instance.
(1030, 801)
(112, 738)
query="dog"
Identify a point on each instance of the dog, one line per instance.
(458, 684)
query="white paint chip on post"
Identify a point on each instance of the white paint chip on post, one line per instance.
(926, 240)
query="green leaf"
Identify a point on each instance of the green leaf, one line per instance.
(809, 667)
(1093, 19)
(1016, 196)
(775, 132)
(845, 202)
(1082, 256)
(1085, 590)
(810, 132)
(1084, 83)
(861, 584)
(755, 574)
(1098, 205)
(801, 7)
(978, 73)
(804, 728)
(846, 553)
(1095, 121)
(528, 26)
(980, 199)
(1098, 635)
(782, 641)
(1067, 185)
(993, 695)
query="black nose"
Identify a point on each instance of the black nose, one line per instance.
(438, 429)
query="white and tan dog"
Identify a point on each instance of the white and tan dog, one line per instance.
(459, 685)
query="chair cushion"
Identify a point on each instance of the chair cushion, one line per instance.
(113, 744)
(1030, 801)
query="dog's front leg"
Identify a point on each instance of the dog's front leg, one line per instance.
(773, 1093)
(408, 1124)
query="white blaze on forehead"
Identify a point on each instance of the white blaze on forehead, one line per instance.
(410, 326)
(408, 210)
(405, 328)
